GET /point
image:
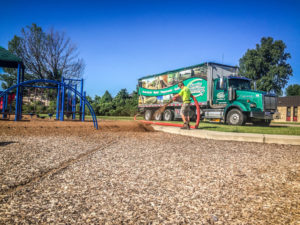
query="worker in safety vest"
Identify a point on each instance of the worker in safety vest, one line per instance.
(185, 93)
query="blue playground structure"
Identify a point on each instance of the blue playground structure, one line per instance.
(67, 88)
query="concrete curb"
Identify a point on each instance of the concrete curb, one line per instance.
(232, 136)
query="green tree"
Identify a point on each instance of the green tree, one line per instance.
(52, 107)
(104, 104)
(89, 99)
(122, 94)
(106, 97)
(46, 55)
(120, 98)
(293, 90)
(105, 108)
(132, 104)
(125, 104)
(97, 99)
(267, 65)
(122, 104)
(119, 102)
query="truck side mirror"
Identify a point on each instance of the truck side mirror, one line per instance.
(221, 83)
(231, 94)
(254, 85)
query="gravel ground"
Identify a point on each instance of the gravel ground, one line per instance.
(69, 173)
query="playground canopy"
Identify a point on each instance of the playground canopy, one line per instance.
(9, 60)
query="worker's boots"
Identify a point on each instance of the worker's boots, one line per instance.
(186, 126)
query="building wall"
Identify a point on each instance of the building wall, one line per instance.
(282, 114)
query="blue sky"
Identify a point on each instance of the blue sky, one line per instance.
(121, 41)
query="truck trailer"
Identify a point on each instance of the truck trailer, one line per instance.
(221, 93)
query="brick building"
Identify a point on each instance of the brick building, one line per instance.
(289, 109)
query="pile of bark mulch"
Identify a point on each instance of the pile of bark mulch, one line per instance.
(136, 177)
(67, 128)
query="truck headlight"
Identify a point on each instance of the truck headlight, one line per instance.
(252, 105)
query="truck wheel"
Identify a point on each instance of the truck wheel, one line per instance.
(168, 115)
(148, 114)
(157, 116)
(235, 117)
(264, 123)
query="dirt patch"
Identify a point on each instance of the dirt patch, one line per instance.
(131, 126)
(50, 127)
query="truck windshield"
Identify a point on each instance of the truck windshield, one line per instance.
(240, 84)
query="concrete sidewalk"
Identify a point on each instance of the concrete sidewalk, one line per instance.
(232, 136)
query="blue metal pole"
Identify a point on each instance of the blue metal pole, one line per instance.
(62, 100)
(83, 107)
(62, 103)
(18, 94)
(74, 104)
(57, 102)
(81, 92)
(68, 100)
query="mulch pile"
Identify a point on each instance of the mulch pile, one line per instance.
(69, 128)
(70, 173)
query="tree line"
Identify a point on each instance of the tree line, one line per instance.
(123, 104)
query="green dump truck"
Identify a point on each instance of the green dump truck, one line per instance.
(221, 93)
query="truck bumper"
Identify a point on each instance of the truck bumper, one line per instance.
(262, 115)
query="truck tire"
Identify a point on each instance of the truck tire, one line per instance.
(157, 116)
(168, 115)
(148, 114)
(264, 123)
(235, 117)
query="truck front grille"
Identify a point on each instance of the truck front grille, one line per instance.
(270, 103)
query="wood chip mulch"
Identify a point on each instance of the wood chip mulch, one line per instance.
(69, 173)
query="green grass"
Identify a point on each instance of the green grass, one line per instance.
(286, 123)
(252, 129)
(282, 130)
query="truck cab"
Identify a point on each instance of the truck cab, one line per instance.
(241, 103)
